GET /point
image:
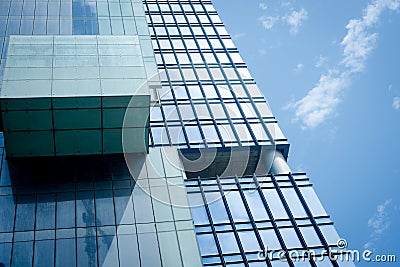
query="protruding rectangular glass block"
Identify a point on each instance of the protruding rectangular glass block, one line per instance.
(75, 95)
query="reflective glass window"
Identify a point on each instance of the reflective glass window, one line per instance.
(22, 254)
(275, 204)
(44, 253)
(236, 206)
(256, 205)
(228, 242)
(249, 241)
(312, 201)
(269, 238)
(217, 208)
(25, 213)
(290, 237)
(207, 244)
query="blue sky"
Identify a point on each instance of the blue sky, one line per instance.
(330, 72)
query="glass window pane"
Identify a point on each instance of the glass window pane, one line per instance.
(45, 213)
(228, 242)
(249, 241)
(170, 112)
(65, 210)
(128, 250)
(147, 244)
(218, 111)
(8, 210)
(207, 244)
(176, 134)
(65, 252)
(180, 92)
(217, 208)
(275, 204)
(330, 234)
(195, 92)
(209, 91)
(193, 134)
(107, 251)
(233, 110)
(104, 208)
(5, 253)
(85, 209)
(310, 236)
(226, 132)
(294, 203)
(210, 133)
(236, 206)
(187, 112)
(143, 207)
(290, 237)
(256, 205)
(159, 135)
(22, 254)
(188, 74)
(270, 240)
(25, 217)
(312, 201)
(123, 206)
(87, 251)
(28, 9)
(44, 253)
(243, 132)
(117, 27)
(197, 209)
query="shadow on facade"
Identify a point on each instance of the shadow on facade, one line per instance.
(82, 199)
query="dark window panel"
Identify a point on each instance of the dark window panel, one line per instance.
(25, 214)
(85, 215)
(7, 204)
(86, 252)
(65, 210)
(104, 208)
(65, 253)
(123, 206)
(46, 211)
(5, 253)
(44, 253)
(107, 251)
(22, 254)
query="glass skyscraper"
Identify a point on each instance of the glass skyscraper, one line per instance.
(134, 135)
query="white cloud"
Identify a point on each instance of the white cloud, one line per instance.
(262, 52)
(321, 61)
(322, 100)
(283, 15)
(268, 21)
(396, 103)
(238, 35)
(285, 4)
(379, 223)
(263, 6)
(299, 67)
(296, 19)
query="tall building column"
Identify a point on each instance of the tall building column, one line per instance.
(279, 165)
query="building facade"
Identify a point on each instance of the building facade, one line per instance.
(134, 135)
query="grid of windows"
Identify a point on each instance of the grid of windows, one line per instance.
(237, 218)
(208, 97)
